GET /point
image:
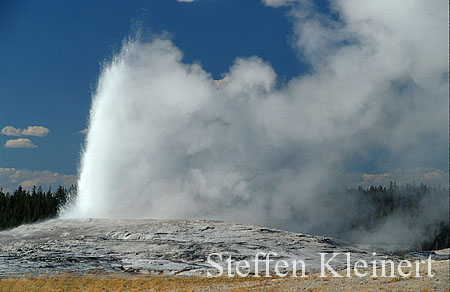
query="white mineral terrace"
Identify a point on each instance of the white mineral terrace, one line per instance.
(161, 246)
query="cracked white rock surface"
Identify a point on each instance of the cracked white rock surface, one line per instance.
(159, 246)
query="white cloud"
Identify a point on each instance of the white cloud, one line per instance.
(11, 178)
(217, 82)
(401, 176)
(84, 131)
(11, 131)
(19, 143)
(38, 131)
(278, 3)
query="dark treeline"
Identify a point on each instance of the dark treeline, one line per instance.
(365, 210)
(26, 207)
(414, 204)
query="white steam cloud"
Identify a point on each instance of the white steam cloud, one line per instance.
(166, 141)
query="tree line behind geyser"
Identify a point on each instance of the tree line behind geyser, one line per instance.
(376, 205)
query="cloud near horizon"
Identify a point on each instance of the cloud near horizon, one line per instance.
(427, 176)
(38, 131)
(12, 178)
(19, 143)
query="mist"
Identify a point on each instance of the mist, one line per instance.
(165, 140)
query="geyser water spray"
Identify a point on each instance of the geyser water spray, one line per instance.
(165, 140)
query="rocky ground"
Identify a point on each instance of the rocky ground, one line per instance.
(127, 247)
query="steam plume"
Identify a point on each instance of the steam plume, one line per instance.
(165, 140)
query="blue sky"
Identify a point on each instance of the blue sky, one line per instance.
(52, 52)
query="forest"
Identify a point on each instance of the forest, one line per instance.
(24, 206)
(378, 203)
(416, 204)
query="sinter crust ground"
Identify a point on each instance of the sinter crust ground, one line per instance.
(180, 247)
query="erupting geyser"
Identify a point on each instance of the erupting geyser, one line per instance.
(165, 140)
